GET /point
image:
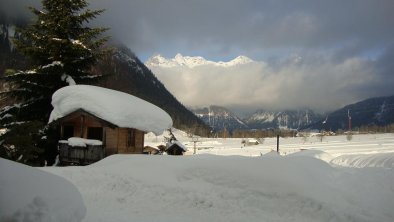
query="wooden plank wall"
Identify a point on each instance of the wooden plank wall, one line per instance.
(139, 141)
(115, 140)
(87, 122)
(122, 140)
(111, 141)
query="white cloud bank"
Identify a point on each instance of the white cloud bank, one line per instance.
(319, 83)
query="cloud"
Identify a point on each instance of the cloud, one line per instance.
(226, 28)
(16, 10)
(222, 27)
(320, 83)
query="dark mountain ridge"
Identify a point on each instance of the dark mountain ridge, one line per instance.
(377, 111)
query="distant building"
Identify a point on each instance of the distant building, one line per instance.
(175, 148)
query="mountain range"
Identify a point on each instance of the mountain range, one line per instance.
(206, 79)
(220, 117)
(288, 119)
(192, 61)
(378, 111)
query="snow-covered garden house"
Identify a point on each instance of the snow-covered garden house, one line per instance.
(175, 148)
(97, 122)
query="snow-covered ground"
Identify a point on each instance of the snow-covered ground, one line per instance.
(30, 195)
(335, 149)
(332, 180)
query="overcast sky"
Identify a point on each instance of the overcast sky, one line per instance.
(346, 46)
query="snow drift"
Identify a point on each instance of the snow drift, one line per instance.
(318, 154)
(384, 160)
(30, 195)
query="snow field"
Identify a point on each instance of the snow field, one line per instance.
(333, 180)
(232, 188)
(363, 150)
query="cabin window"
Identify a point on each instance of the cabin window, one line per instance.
(95, 133)
(68, 131)
(131, 138)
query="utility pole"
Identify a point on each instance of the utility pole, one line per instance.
(277, 143)
(350, 120)
(209, 116)
(195, 140)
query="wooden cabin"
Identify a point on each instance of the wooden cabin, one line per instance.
(115, 140)
(102, 122)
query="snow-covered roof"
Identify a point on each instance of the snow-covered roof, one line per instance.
(179, 144)
(118, 108)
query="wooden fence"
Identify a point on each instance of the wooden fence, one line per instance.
(76, 155)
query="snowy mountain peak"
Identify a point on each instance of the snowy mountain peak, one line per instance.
(159, 60)
(189, 61)
(179, 58)
(241, 60)
(192, 61)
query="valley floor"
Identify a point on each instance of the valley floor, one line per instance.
(329, 148)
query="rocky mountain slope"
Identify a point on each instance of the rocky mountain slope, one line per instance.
(290, 119)
(220, 118)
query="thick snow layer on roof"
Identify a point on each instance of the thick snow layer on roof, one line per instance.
(29, 194)
(118, 108)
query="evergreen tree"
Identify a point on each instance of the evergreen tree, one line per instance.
(21, 143)
(62, 49)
